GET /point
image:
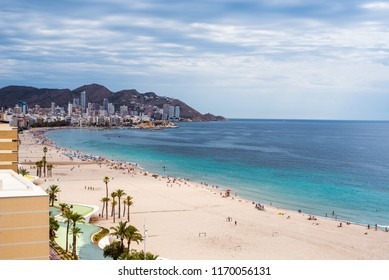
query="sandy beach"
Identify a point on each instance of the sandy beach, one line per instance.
(192, 221)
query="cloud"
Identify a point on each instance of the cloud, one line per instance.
(261, 50)
(376, 6)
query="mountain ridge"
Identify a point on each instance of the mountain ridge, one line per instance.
(96, 93)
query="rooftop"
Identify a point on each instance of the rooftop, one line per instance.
(15, 185)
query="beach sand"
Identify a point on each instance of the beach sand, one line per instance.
(189, 221)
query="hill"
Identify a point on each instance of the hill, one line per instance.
(11, 95)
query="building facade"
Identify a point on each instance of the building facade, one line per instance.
(8, 147)
(24, 219)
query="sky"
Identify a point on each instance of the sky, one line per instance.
(283, 59)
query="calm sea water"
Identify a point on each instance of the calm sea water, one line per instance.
(315, 166)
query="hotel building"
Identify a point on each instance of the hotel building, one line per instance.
(24, 207)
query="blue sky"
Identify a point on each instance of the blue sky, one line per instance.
(253, 59)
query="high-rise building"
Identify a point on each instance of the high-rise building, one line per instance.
(177, 112)
(83, 100)
(23, 106)
(105, 104)
(53, 108)
(76, 101)
(111, 109)
(124, 110)
(70, 109)
(171, 112)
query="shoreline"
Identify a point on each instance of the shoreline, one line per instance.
(335, 217)
(280, 219)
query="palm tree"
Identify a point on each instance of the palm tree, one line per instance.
(119, 193)
(67, 215)
(106, 181)
(54, 226)
(132, 234)
(120, 230)
(76, 218)
(49, 170)
(128, 202)
(64, 207)
(44, 165)
(39, 165)
(45, 150)
(75, 231)
(114, 203)
(52, 192)
(113, 195)
(23, 171)
(104, 201)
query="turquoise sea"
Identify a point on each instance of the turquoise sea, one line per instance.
(315, 166)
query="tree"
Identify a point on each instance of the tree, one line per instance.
(75, 231)
(132, 234)
(67, 215)
(114, 203)
(49, 170)
(106, 181)
(76, 218)
(44, 165)
(120, 230)
(23, 171)
(64, 207)
(52, 192)
(113, 195)
(113, 250)
(44, 160)
(138, 255)
(119, 193)
(39, 165)
(54, 226)
(128, 202)
(105, 201)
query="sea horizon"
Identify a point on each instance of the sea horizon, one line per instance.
(255, 159)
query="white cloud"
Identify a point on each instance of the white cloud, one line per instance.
(376, 6)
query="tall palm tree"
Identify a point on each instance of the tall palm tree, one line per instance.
(128, 202)
(132, 234)
(52, 192)
(76, 231)
(76, 218)
(106, 181)
(67, 215)
(44, 165)
(23, 171)
(49, 170)
(105, 200)
(119, 193)
(120, 230)
(114, 203)
(45, 150)
(39, 165)
(113, 195)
